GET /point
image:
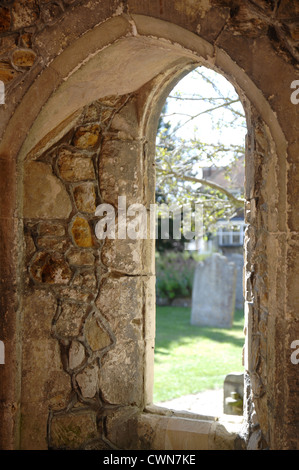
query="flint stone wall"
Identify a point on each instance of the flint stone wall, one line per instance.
(56, 58)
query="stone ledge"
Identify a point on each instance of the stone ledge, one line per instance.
(187, 431)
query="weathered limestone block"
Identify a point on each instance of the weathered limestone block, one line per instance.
(92, 113)
(123, 255)
(87, 137)
(81, 232)
(85, 197)
(73, 430)
(74, 294)
(24, 13)
(50, 12)
(9, 43)
(74, 166)
(125, 122)
(122, 428)
(96, 335)
(71, 319)
(85, 280)
(76, 354)
(52, 244)
(121, 374)
(50, 268)
(77, 257)
(44, 379)
(124, 311)
(51, 229)
(121, 171)
(88, 381)
(44, 195)
(214, 290)
(34, 417)
(39, 308)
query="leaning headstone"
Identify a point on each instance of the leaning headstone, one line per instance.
(214, 292)
(238, 259)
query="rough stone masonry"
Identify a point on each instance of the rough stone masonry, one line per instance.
(84, 85)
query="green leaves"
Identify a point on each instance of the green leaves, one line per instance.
(183, 150)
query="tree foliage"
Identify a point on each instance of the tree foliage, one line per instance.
(184, 148)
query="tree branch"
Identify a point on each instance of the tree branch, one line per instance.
(207, 111)
(235, 201)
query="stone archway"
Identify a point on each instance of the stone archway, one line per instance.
(156, 54)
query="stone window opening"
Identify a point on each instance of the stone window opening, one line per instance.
(230, 235)
(157, 52)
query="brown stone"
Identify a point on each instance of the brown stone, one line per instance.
(24, 13)
(39, 308)
(23, 58)
(87, 137)
(70, 320)
(96, 335)
(50, 268)
(81, 232)
(88, 381)
(51, 229)
(85, 198)
(30, 247)
(120, 171)
(76, 354)
(7, 72)
(52, 243)
(92, 113)
(73, 167)
(26, 39)
(50, 12)
(35, 417)
(121, 374)
(8, 44)
(74, 294)
(71, 431)
(45, 197)
(125, 256)
(124, 314)
(79, 257)
(4, 19)
(44, 377)
(86, 280)
(295, 32)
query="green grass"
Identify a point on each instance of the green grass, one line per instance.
(190, 359)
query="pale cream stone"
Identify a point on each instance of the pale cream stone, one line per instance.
(76, 354)
(88, 381)
(45, 197)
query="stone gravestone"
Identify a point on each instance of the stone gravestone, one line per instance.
(214, 292)
(238, 260)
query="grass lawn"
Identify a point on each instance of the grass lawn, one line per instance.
(190, 359)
